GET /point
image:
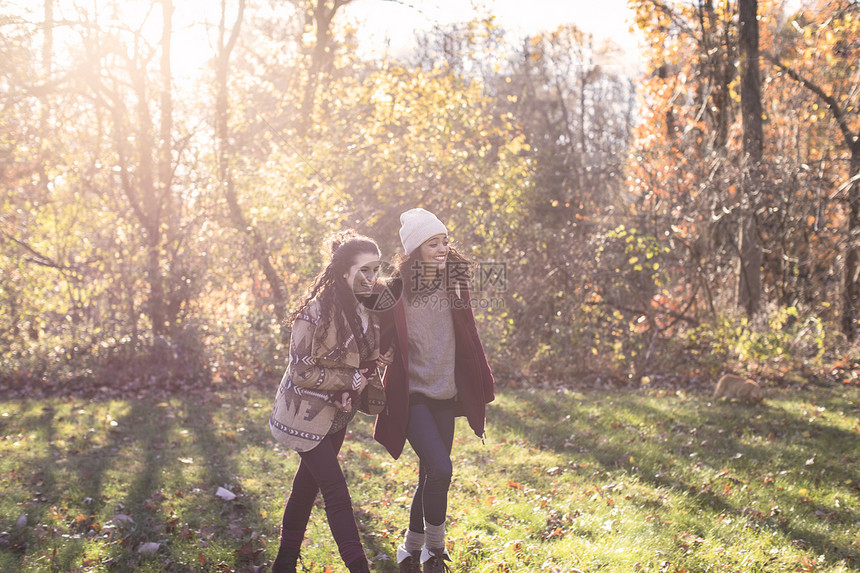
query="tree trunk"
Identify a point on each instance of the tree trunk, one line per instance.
(749, 275)
(850, 287)
(165, 157)
(321, 56)
(48, 45)
(260, 251)
(149, 210)
(717, 52)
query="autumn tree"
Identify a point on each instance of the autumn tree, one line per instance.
(54, 251)
(700, 162)
(819, 53)
(573, 104)
(102, 233)
(712, 177)
(146, 170)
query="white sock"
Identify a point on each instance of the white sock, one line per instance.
(414, 541)
(434, 535)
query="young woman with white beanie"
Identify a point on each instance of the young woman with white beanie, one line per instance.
(439, 371)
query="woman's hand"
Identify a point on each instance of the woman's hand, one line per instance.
(387, 358)
(367, 369)
(343, 401)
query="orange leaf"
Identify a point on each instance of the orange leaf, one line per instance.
(806, 564)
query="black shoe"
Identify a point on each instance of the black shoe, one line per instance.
(286, 561)
(436, 563)
(411, 563)
(360, 566)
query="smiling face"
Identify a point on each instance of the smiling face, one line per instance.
(363, 272)
(434, 251)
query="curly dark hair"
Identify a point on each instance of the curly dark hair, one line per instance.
(331, 290)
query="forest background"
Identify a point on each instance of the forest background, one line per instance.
(700, 217)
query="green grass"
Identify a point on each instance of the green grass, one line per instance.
(565, 481)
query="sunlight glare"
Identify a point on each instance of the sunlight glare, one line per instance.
(193, 21)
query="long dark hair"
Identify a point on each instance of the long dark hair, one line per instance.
(330, 288)
(457, 272)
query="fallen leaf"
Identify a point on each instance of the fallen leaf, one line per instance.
(248, 551)
(148, 548)
(225, 494)
(122, 518)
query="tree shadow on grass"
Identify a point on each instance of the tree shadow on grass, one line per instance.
(38, 472)
(67, 484)
(122, 483)
(659, 446)
(236, 522)
(171, 504)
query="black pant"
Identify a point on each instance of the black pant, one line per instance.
(318, 471)
(430, 431)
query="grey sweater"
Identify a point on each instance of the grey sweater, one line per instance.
(431, 347)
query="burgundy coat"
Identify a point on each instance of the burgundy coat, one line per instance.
(472, 374)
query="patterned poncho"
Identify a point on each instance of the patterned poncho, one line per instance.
(319, 369)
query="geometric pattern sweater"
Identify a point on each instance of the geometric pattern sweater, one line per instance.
(318, 370)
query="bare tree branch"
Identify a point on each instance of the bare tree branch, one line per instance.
(839, 113)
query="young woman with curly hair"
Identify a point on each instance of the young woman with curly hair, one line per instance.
(332, 372)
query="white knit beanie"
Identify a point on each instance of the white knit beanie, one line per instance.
(418, 225)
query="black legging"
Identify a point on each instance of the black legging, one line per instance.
(319, 471)
(430, 431)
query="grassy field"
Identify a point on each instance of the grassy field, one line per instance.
(627, 481)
